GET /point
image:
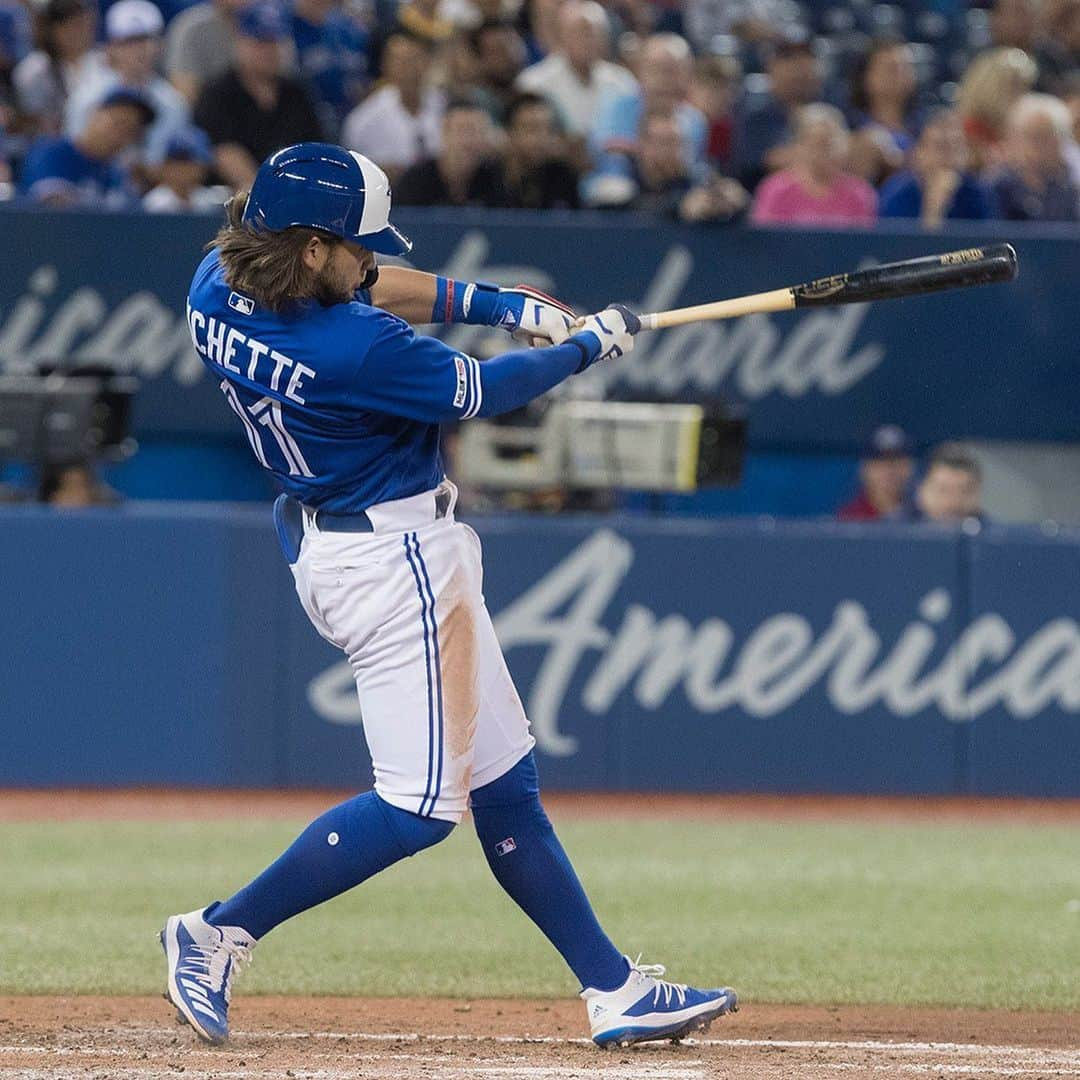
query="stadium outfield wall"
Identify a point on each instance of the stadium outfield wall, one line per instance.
(111, 288)
(163, 644)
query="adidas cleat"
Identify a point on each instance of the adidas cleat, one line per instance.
(203, 960)
(646, 1008)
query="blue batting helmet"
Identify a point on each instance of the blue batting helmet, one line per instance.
(326, 187)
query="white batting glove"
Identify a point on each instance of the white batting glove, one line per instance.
(541, 319)
(608, 334)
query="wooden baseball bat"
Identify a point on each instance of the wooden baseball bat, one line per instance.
(953, 270)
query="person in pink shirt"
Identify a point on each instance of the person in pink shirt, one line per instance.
(815, 190)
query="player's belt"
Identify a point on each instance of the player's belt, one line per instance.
(327, 521)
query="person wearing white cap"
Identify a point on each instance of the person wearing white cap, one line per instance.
(133, 42)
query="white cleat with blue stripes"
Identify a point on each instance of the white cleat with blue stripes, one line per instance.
(646, 1008)
(203, 960)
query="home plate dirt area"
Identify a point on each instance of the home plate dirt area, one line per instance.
(93, 1038)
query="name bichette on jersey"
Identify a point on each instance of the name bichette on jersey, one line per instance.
(221, 344)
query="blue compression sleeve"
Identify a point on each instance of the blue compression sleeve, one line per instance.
(472, 302)
(530, 864)
(515, 378)
(345, 846)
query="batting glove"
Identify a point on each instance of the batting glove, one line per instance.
(534, 317)
(525, 312)
(606, 335)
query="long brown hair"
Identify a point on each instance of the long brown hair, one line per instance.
(267, 266)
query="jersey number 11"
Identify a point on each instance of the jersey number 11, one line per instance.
(267, 412)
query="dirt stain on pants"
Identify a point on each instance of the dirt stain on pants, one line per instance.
(458, 662)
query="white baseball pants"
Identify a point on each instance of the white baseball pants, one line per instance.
(405, 604)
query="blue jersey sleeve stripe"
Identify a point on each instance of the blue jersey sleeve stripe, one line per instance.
(479, 386)
(470, 393)
(476, 387)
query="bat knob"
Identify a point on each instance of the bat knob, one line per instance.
(1011, 261)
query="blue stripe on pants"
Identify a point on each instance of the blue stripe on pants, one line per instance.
(438, 671)
(427, 660)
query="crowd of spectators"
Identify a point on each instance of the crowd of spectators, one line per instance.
(947, 490)
(791, 112)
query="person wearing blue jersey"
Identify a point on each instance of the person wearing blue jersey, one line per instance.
(310, 342)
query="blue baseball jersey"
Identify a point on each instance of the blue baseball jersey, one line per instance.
(57, 167)
(341, 403)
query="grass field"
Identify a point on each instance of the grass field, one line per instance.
(982, 915)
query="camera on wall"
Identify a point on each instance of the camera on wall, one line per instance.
(55, 416)
(646, 446)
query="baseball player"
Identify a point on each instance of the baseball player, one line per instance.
(339, 398)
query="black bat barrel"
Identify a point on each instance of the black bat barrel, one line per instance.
(953, 270)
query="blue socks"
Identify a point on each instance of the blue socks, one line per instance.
(364, 835)
(344, 847)
(530, 864)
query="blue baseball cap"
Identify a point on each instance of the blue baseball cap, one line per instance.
(189, 144)
(262, 21)
(14, 33)
(889, 440)
(124, 95)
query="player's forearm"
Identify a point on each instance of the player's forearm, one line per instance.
(515, 378)
(419, 297)
(408, 294)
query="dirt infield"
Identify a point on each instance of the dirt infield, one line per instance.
(93, 1038)
(153, 804)
(334, 1039)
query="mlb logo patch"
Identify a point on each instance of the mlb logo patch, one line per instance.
(244, 304)
(462, 383)
(504, 847)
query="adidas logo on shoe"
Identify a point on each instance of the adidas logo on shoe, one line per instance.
(646, 1007)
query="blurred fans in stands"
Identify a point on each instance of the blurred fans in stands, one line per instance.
(536, 172)
(938, 186)
(399, 123)
(501, 57)
(578, 75)
(331, 57)
(994, 83)
(664, 70)
(88, 170)
(729, 76)
(465, 172)
(764, 137)
(199, 44)
(133, 31)
(181, 177)
(1033, 183)
(714, 90)
(63, 58)
(815, 189)
(253, 110)
(883, 86)
(950, 491)
(74, 486)
(885, 471)
(660, 181)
